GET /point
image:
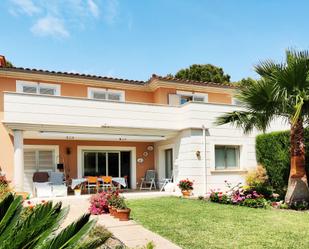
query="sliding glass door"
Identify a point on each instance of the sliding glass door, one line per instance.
(102, 163)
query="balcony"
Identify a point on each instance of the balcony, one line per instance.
(48, 112)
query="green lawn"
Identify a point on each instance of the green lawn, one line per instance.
(198, 224)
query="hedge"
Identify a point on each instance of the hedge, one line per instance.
(272, 152)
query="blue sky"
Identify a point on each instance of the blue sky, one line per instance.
(135, 38)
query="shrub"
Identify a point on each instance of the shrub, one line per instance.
(259, 202)
(185, 184)
(99, 203)
(272, 151)
(37, 229)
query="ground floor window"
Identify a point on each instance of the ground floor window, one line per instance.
(226, 156)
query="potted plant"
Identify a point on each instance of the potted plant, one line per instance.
(186, 187)
(112, 200)
(123, 212)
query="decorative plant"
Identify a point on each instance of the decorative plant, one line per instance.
(4, 187)
(121, 204)
(37, 229)
(185, 185)
(112, 197)
(99, 203)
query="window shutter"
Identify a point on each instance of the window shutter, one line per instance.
(47, 90)
(30, 160)
(29, 89)
(173, 99)
(99, 95)
(45, 160)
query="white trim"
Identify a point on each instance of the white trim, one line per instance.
(21, 83)
(91, 90)
(108, 148)
(242, 154)
(46, 147)
(194, 94)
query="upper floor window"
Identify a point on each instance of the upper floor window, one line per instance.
(37, 88)
(183, 97)
(106, 94)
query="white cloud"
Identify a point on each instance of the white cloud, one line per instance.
(25, 6)
(93, 8)
(50, 26)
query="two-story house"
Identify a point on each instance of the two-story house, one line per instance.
(107, 126)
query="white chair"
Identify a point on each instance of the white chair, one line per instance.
(150, 178)
(42, 189)
(59, 187)
(166, 181)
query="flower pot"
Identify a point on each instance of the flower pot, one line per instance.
(114, 212)
(111, 210)
(186, 193)
(77, 191)
(123, 214)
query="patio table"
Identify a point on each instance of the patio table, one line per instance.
(77, 181)
(120, 180)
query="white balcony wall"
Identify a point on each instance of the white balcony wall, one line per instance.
(55, 110)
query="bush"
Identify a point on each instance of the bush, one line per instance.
(259, 202)
(99, 203)
(272, 151)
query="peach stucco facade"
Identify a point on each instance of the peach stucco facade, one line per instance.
(156, 93)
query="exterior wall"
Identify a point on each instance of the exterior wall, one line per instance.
(70, 161)
(158, 96)
(6, 144)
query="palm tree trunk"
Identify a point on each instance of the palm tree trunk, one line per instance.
(298, 184)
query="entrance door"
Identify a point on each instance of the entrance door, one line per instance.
(168, 163)
(102, 163)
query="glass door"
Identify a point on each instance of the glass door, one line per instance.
(101, 163)
(169, 163)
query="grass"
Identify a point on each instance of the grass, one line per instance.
(198, 224)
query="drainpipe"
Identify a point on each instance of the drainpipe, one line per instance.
(205, 164)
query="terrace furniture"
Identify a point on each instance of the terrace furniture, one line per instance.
(77, 181)
(57, 181)
(92, 183)
(149, 179)
(41, 185)
(106, 182)
(121, 181)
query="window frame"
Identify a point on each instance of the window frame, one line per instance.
(20, 84)
(193, 95)
(225, 167)
(91, 91)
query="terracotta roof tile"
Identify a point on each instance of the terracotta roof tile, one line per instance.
(126, 81)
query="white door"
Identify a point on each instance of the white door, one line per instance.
(37, 160)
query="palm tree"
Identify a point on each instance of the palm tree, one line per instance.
(281, 92)
(37, 229)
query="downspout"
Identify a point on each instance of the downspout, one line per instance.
(204, 156)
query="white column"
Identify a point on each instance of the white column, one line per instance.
(18, 179)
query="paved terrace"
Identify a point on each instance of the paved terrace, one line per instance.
(129, 232)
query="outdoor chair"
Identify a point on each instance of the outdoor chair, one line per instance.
(106, 182)
(41, 185)
(166, 181)
(92, 183)
(59, 187)
(149, 179)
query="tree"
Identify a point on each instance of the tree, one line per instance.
(281, 92)
(9, 64)
(203, 72)
(35, 228)
(245, 82)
